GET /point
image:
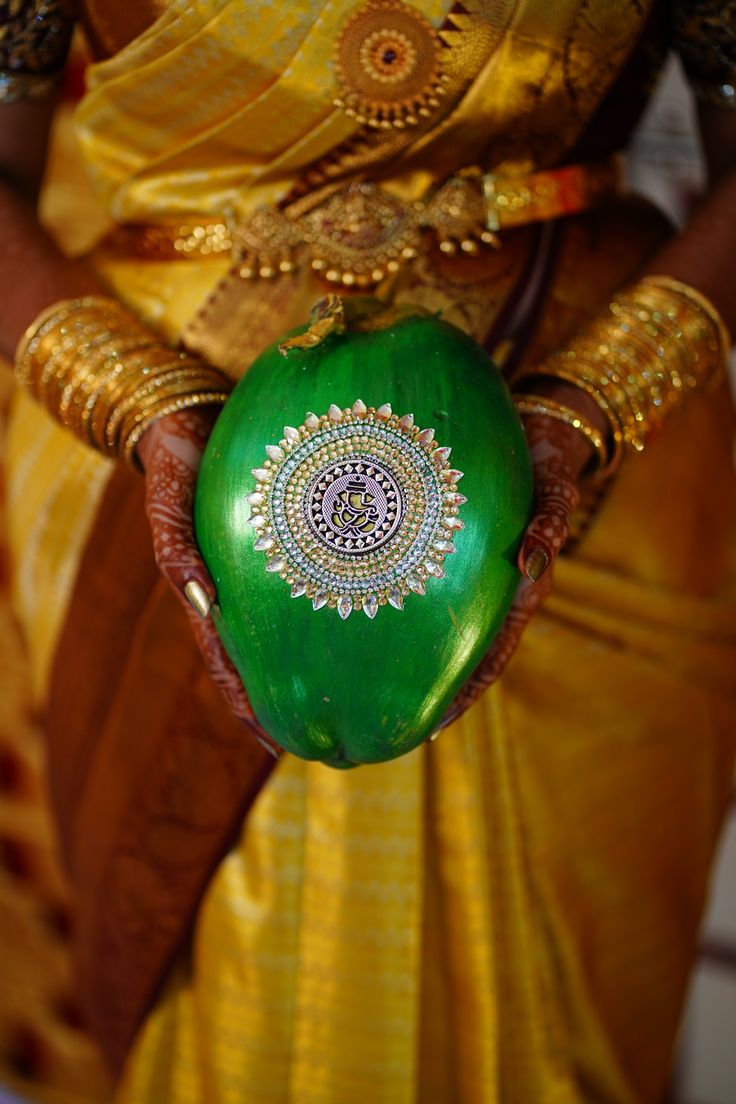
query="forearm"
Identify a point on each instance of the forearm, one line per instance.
(34, 273)
(599, 385)
(703, 254)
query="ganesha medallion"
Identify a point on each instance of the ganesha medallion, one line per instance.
(356, 508)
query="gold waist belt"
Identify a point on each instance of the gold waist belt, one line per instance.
(362, 232)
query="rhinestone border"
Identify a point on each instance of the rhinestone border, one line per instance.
(343, 579)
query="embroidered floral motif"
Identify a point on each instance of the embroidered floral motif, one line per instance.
(388, 62)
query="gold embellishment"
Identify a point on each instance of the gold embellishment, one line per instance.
(388, 65)
(264, 244)
(549, 408)
(362, 233)
(105, 377)
(198, 238)
(356, 508)
(658, 340)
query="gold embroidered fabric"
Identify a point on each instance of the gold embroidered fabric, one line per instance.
(388, 64)
(237, 102)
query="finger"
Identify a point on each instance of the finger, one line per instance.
(170, 481)
(527, 600)
(225, 676)
(557, 496)
(556, 459)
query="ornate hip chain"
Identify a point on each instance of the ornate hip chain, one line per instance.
(363, 233)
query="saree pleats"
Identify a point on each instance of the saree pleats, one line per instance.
(554, 944)
(219, 103)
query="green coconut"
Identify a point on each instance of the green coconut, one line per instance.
(359, 506)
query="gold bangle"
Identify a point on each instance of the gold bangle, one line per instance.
(124, 377)
(146, 405)
(182, 402)
(658, 340)
(173, 378)
(105, 377)
(54, 317)
(87, 371)
(550, 408)
(701, 302)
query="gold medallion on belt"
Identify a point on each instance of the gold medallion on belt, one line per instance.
(362, 232)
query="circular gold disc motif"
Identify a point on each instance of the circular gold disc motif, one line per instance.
(356, 508)
(388, 65)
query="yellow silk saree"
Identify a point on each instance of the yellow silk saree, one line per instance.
(509, 913)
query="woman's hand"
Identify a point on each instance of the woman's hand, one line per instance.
(559, 454)
(170, 452)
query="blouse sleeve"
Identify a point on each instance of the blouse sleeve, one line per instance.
(704, 34)
(34, 42)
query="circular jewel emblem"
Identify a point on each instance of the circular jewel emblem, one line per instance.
(388, 63)
(356, 508)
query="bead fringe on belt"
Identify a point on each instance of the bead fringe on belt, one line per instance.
(362, 232)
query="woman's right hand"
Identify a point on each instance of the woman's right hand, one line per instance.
(171, 452)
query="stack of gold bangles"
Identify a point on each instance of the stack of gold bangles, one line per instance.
(656, 341)
(102, 374)
(106, 377)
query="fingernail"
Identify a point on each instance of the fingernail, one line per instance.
(535, 564)
(269, 747)
(198, 598)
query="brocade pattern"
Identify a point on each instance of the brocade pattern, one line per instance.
(705, 38)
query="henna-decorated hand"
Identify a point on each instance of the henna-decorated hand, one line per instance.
(170, 452)
(559, 453)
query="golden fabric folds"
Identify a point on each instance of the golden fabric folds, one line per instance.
(509, 913)
(219, 103)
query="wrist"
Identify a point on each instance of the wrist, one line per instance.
(635, 362)
(567, 421)
(194, 425)
(102, 374)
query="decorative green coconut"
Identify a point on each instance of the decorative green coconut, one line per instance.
(359, 506)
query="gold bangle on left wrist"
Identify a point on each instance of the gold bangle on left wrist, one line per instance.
(550, 408)
(657, 341)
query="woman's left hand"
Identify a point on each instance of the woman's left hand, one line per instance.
(559, 453)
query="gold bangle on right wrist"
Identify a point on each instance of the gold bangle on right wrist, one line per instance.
(106, 377)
